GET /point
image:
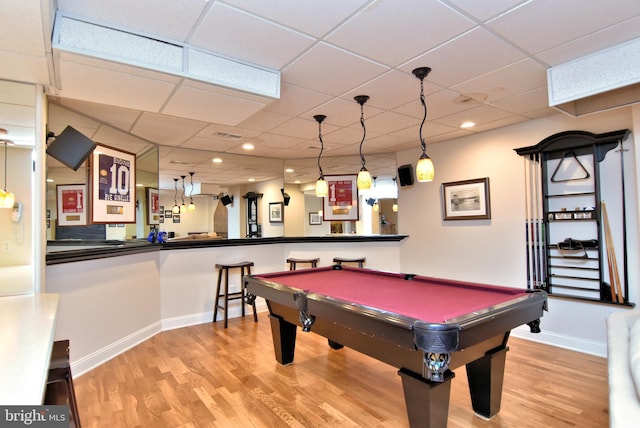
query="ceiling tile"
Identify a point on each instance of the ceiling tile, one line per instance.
(461, 60)
(393, 35)
(485, 9)
(218, 32)
(554, 23)
(330, 70)
(295, 14)
(166, 129)
(204, 105)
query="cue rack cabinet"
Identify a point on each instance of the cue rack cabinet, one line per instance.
(575, 188)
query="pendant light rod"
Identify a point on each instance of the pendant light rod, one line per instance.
(319, 118)
(421, 73)
(183, 188)
(322, 187)
(361, 99)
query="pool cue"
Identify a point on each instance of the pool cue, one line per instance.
(611, 257)
(527, 214)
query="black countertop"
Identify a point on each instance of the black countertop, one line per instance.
(68, 251)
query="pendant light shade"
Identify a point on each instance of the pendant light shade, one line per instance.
(176, 208)
(7, 199)
(191, 207)
(364, 177)
(425, 171)
(322, 188)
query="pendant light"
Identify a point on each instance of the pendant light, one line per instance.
(183, 207)
(394, 207)
(424, 170)
(7, 199)
(364, 178)
(192, 206)
(322, 188)
(176, 208)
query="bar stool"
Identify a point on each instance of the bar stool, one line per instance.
(60, 371)
(242, 294)
(340, 260)
(293, 261)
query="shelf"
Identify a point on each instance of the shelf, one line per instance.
(564, 195)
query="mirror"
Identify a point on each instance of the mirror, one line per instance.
(304, 212)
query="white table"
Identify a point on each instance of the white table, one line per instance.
(27, 327)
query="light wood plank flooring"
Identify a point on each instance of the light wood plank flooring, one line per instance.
(206, 376)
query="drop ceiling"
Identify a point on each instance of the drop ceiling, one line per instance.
(489, 61)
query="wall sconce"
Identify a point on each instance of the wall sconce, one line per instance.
(364, 178)
(7, 199)
(424, 169)
(285, 197)
(183, 207)
(322, 188)
(176, 208)
(192, 206)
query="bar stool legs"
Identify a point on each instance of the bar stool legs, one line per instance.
(340, 260)
(236, 295)
(60, 372)
(293, 262)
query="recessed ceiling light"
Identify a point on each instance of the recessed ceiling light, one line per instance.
(49, 180)
(288, 170)
(297, 182)
(139, 185)
(216, 160)
(247, 146)
(252, 179)
(467, 124)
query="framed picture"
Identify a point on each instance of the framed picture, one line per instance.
(342, 202)
(315, 218)
(466, 200)
(72, 204)
(153, 206)
(276, 212)
(113, 186)
(176, 218)
(168, 213)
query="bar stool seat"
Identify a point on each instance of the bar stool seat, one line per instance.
(60, 372)
(245, 267)
(294, 261)
(360, 261)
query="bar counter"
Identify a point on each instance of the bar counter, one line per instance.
(28, 325)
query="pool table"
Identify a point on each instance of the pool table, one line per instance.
(425, 327)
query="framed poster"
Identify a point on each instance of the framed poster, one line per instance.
(341, 204)
(72, 204)
(276, 212)
(168, 213)
(315, 218)
(113, 186)
(153, 206)
(466, 200)
(176, 218)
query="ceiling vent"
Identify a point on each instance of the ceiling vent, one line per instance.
(604, 80)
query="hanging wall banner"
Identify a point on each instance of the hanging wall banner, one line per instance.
(113, 186)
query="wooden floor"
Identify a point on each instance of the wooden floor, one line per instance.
(206, 376)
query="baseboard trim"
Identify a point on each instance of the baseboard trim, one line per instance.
(572, 343)
(101, 356)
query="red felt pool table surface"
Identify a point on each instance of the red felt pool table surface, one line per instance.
(431, 300)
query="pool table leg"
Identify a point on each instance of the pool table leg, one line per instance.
(427, 402)
(284, 339)
(485, 376)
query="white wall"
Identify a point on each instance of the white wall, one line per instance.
(493, 251)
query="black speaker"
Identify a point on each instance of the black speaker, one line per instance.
(226, 200)
(71, 148)
(405, 175)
